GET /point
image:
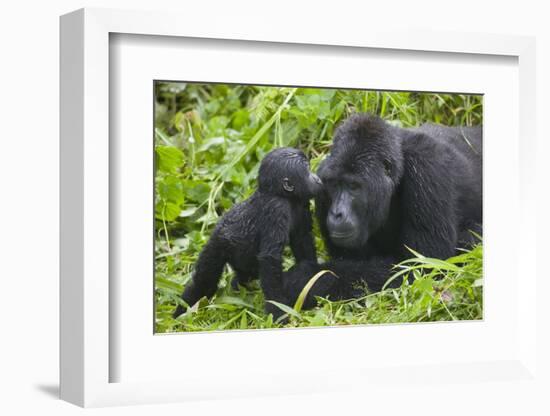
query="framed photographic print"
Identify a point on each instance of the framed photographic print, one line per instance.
(255, 215)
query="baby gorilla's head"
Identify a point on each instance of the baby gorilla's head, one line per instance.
(285, 172)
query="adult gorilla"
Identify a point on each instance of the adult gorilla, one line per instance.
(386, 189)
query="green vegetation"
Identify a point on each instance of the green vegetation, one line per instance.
(209, 141)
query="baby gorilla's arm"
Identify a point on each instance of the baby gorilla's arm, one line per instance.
(270, 259)
(301, 238)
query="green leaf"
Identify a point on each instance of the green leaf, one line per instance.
(169, 158)
(217, 125)
(231, 300)
(208, 143)
(167, 211)
(187, 212)
(230, 321)
(318, 319)
(240, 118)
(303, 294)
(244, 321)
(168, 285)
(197, 191)
(162, 136)
(286, 309)
(170, 189)
(424, 285)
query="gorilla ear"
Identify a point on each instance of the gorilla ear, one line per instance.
(388, 167)
(287, 185)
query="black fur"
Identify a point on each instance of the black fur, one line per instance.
(386, 189)
(252, 235)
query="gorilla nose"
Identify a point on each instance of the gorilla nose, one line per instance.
(336, 216)
(335, 220)
(338, 224)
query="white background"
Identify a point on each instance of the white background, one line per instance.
(29, 163)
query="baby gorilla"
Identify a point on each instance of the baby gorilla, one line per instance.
(251, 236)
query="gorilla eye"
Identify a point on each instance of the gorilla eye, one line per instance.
(287, 185)
(387, 167)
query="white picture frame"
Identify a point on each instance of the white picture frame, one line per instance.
(86, 264)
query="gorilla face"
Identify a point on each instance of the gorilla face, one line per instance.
(285, 172)
(359, 203)
(347, 211)
(360, 177)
